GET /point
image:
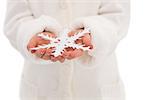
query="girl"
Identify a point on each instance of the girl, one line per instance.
(92, 75)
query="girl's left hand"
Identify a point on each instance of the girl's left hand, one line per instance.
(74, 53)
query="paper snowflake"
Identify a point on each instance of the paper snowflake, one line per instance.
(62, 42)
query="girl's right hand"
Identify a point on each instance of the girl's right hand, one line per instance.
(41, 53)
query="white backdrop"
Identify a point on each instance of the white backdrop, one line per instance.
(133, 57)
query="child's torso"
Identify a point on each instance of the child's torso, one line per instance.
(64, 10)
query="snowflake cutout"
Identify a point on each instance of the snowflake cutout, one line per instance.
(62, 42)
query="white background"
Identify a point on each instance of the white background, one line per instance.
(133, 57)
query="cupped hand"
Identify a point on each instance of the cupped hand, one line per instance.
(69, 53)
(85, 40)
(45, 54)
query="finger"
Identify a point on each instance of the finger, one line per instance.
(49, 52)
(32, 43)
(53, 59)
(61, 59)
(67, 53)
(77, 53)
(39, 53)
(71, 33)
(86, 39)
(31, 46)
(71, 55)
(79, 41)
(45, 57)
(41, 41)
(91, 46)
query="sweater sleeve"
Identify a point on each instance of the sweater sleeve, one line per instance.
(21, 24)
(107, 27)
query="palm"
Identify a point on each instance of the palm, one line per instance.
(69, 53)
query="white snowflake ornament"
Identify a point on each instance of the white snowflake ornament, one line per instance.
(62, 42)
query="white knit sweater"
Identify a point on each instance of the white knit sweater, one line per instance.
(93, 76)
